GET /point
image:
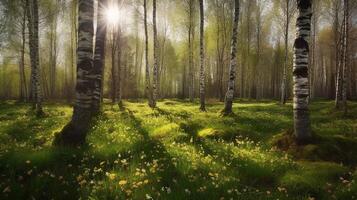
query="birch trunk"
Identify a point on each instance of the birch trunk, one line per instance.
(233, 62)
(155, 70)
(99, 56)
(75, 132)
(286, 38)
(148, 91)
(32, 13)
(202, 58)
(345, 56)
(300, 71)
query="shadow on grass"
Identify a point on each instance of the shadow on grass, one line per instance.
(336, 149)
(154, 149)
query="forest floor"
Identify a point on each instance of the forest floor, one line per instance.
(177, 152)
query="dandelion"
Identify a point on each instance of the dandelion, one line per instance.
(123, 182)
(111, 176)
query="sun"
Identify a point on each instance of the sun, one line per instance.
(112, 15)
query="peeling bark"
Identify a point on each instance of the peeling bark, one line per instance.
(75, 132)
(300, 71)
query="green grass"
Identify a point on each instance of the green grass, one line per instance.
(177, 152)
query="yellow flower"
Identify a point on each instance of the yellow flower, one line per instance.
(123, 182)
(111, 176)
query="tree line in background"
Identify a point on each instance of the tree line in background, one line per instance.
(239, 44)
(265, 53)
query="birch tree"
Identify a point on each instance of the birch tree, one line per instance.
(202, 58)
(300, 71)
(233, 63)
(99, 56)
(288, 13)
(148, 91)
(74, 133)
(345, 55)
(32, 15)
(155, 69)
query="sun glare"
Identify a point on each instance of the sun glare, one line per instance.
(112, 15)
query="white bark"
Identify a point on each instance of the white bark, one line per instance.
(233, 63)
(300, 71)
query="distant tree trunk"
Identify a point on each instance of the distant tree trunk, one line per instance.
(32, 13)
(202, 58)
(247, 75)
(286, 38)
(148, 92)
(70, 89)
(114, 67)
(155, 70)
(23, 83)
(300, 71)
(75, 132)
(184, 79)
(345, 55)
(99, 56)
(190, 51)
(338, 60)
(257, 78)
(53, 54)
(119, 79)
(313, 53)
(233, 62)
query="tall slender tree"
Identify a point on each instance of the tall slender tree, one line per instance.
(23, 83)
(345, 55)
(156, 58)
(288, 14)
(53, 51)
(148, 91)
(99, 56)
(114, 48)
(202, 57)
(233, 63)
(119, 74)
(74, 133)
(32, 15)
(300, 71)
(191, 34)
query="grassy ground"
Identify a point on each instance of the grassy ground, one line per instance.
(177, 152)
